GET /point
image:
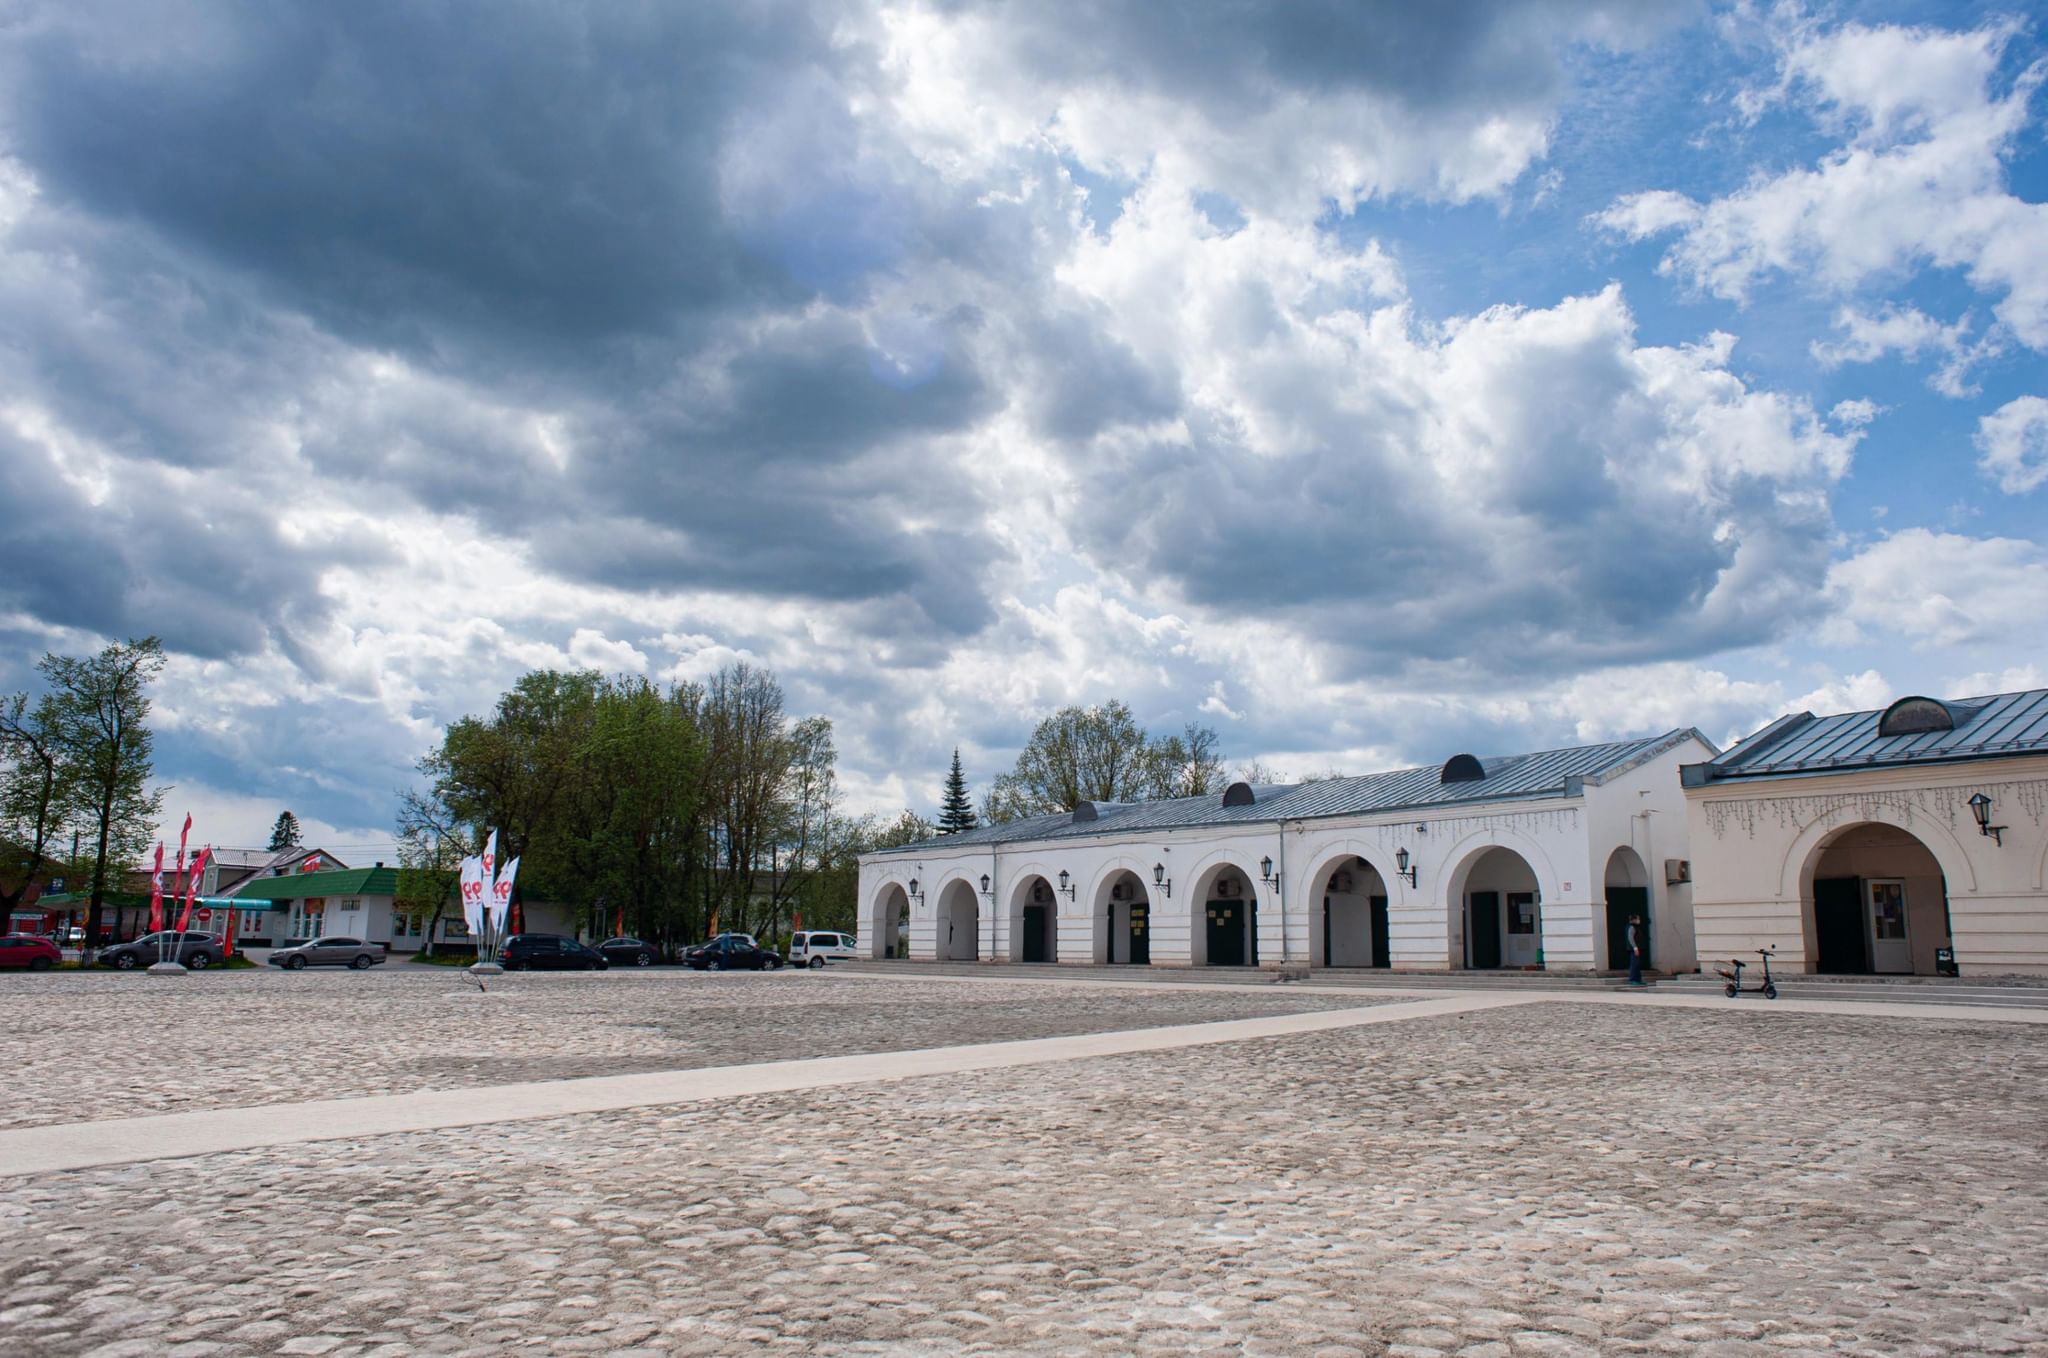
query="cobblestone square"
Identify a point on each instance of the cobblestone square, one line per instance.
(1552, 1178)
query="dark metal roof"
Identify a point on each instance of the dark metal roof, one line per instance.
(1998, 726)
(1521, 777)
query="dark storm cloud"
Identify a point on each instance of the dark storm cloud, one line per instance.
(1463, 53)
(540, 210)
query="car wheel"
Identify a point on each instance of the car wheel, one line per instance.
(817, 964)
(199, 961)
(296, 964)
(359, 963)
(718, 964)
(125, 961)
(645, 959)
(774, 962)
(39, 964)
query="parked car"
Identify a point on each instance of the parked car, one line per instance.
(32, 951)
(627, 952)
(549, 952)
(816, 947)
(328, 952)
(195, 950)
(732, 952)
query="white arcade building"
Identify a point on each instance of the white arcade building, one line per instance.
(1528, 861)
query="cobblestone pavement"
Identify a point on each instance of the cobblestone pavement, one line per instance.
(1555, 1179)
(84, 1047)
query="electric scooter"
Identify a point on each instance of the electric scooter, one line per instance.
(1733, 979)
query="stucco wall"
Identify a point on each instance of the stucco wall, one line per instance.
(1756, 847)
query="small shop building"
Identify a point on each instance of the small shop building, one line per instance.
(1532, 861)
(1906, 841)
(278, 911)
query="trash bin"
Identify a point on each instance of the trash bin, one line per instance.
(1945, 962)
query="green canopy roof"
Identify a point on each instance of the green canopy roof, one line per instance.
(342, 882)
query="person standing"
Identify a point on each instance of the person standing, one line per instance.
(1635, 949)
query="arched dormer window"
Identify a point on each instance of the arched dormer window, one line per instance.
(1916, 716)
(1238, 794)
(1462, 768)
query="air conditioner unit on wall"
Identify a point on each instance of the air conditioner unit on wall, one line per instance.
(1677, 870)
(1120, 892)
(1226, 888)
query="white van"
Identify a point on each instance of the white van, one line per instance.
(814, 949)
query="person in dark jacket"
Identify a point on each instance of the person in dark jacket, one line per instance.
(1635, 949)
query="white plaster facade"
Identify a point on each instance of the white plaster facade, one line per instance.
(1760, 846)
(1204, 895)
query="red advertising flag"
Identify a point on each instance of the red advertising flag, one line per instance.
(191, 889)
(311, 863)
(156, 891)
(227, 938)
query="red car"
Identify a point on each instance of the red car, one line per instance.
(28, 950)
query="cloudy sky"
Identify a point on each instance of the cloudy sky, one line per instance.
(1367, 380)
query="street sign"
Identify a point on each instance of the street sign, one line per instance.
(56, 885)
(204, 916)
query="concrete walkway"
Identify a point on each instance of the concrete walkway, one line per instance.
(43, 1150)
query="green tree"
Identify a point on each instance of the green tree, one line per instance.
(35, 808)
(956, 811)
(1101, 754)
(285, 834)
(99, 721)
(518, 769)
(431, 846)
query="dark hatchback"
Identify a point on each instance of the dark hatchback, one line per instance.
(732, 952)
(628, 952)
(549, 952)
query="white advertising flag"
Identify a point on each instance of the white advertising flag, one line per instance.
(501, 894)
(490, 858)
(473, 895)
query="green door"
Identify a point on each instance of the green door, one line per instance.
(1838, 926)
(1623, 901)
(1034, 933)
(1226, 933)
(1382, 951)
(1485, 928)
(1141, 940)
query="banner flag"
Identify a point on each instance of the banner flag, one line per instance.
(192, 887)
(156, 891)
(473, 896)
(501, 894)
(490, 858)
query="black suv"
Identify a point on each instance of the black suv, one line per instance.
(549, 952)
(195, 950)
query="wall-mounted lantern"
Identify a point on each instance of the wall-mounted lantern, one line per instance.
(1402, 869)
(1266, 874)
(1980, 807)
(986, 894)
(1159, 880)
(915, 894)
(1065, 885)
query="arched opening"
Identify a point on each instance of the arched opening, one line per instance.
(1122, 921)
(1351, 900)
(1034, 921)
(959, 924)
(1628, 895)
(1226, 924)
(889, 923)
(1878, 903)
(1503, 912)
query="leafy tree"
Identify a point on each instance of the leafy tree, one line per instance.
(35, 806)
(431, 847)
(98, 722)
(908, 828)
(1101, 754)
(956, 811)
(285, 833)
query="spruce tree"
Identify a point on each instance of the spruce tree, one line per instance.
(284, 834)
(956, 811)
